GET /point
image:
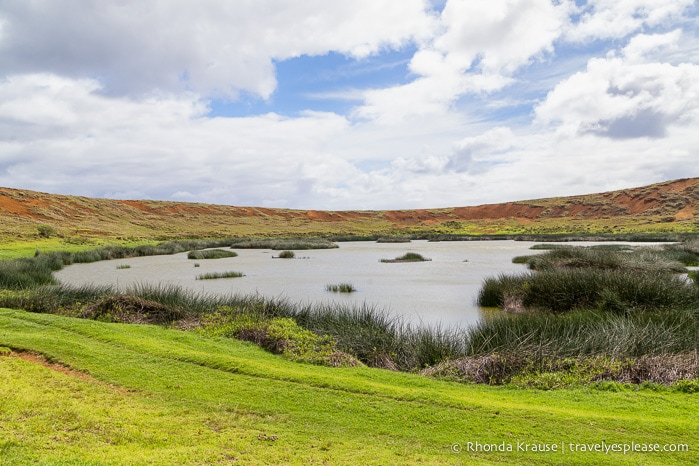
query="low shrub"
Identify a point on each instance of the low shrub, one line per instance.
(546, 373)
(279, 336)
(286, 255)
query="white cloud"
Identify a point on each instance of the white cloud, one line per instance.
(624, 96)
(472, 151)
(206, 46)
(477, 50)
(643, 45)
(616, 19)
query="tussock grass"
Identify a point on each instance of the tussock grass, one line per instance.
(210, 254)
(25, 274)
(407, 257)
(585, 333)
(286, 255)
(638, 259)
(217, 275)
(341, 288)
(563, 290)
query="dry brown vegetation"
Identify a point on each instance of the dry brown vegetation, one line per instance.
(664, 207)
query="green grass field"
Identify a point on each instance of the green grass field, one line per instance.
(141, 394)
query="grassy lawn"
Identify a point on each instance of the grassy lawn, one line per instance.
(147, 395)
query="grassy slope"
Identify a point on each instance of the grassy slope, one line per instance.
(663, 207)
(161, 396)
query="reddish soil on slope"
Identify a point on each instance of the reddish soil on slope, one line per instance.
(674, 201)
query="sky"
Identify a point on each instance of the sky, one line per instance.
(347, 105)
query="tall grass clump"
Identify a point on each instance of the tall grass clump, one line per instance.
(563, 290)
(210, 254)
(217, 275)
(379, 339)
(341, 288)
(60, 299)
(286, 255)
(584, 334)
(638, 259)
(28, 273)
(407, 257)
(687, 252)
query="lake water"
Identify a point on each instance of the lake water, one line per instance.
(441, 291)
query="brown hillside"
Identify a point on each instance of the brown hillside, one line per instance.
(669, 206)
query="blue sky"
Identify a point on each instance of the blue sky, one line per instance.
(364, 104)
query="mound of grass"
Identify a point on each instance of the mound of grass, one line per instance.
(578, 257)
(211, 254)
(130, 309)
(341, 288)
(286, 255)
(564, 290)
(407, 257)
(123, 267)
(281, 335)
(217, 275)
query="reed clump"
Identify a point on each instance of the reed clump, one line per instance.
(218, 275)
(407, 257)
(211, 254)
(563, 290)
(341, 288)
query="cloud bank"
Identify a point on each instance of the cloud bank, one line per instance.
(513, 99)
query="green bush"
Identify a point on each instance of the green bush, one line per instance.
(278, 335)
(287, 255)
(46, 231)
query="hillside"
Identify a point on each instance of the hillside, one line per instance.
(663, 207)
